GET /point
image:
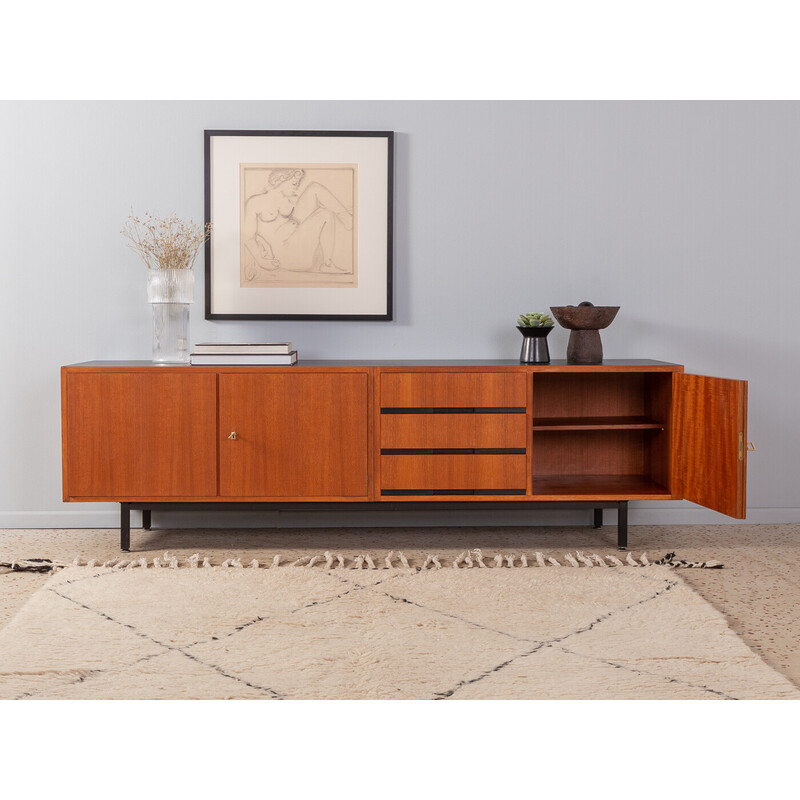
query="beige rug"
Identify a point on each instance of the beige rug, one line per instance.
(314, 633)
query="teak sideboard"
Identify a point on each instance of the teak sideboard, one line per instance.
(453, 433)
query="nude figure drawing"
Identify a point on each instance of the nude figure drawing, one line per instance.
(298, 225)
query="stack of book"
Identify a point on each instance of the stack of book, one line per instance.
(275, 354)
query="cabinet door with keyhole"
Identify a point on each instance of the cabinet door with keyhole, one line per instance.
(293, 434)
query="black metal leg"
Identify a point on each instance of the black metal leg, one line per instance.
(124, 527)
(622, 526)
(146, 519)
(598, 518)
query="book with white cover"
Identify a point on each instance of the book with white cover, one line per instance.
(248, 348)
(238, 359)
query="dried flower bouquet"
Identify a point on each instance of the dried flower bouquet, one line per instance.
(165, 242)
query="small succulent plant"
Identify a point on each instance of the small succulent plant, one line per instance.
(535, 320)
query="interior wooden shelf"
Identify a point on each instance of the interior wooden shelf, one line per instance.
(596, 424)
(639, 487)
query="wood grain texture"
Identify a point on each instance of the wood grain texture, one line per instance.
(371, 435)
(375, 470)
(607, 452)
(140, 434)
(598, 487)
(709, 416)
(439, 389)
(453, 472)
(298, 434)
(658, 406)
(528, 433)
(136, 432)
(595, 423)
(64, 438)
(599, 394)
(453, 430)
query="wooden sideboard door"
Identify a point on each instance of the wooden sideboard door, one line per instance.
(140, 435)
(709, 456)
(297, 434)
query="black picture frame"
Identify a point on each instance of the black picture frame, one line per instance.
(216, 310)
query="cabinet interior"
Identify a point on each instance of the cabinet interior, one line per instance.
(601, 433)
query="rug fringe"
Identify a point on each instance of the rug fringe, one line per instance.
(330, 561)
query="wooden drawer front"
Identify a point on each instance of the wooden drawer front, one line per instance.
(452, 390)
(427, 473)
(141, 434)
(452, 431)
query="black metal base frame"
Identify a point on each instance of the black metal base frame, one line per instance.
(596, 505)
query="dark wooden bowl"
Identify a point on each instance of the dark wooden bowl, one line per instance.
(584, 318)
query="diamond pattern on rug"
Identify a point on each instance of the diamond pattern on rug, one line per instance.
(168, 676)
(674, 648)
(181, 612)
(552, 674)
(350, 649)
(494, 597)
(311, 633)
(69, 643)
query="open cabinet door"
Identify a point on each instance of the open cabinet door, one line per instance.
(709, 419)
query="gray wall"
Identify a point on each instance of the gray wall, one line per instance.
(684, 214)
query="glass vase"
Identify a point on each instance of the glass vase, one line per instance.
(170, 291)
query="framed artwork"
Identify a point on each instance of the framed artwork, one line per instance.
(301, 224)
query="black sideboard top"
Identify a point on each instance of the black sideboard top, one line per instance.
(434, 362)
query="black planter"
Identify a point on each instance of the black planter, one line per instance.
(534, 345)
